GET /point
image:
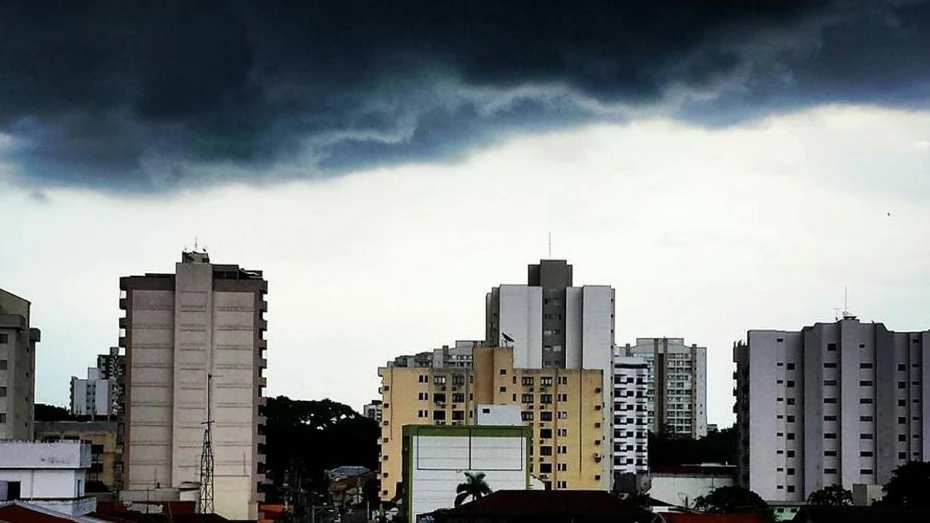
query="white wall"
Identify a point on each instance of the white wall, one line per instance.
(45, 470)
(439, 464)
(499, 415)
(683, 489)
(521, 319)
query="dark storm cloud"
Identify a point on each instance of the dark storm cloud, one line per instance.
(148, 96)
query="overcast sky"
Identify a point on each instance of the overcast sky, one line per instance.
(724, 165)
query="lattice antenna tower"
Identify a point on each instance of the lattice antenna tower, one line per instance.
(206, 457)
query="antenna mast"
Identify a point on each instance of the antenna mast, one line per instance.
(206, 457)
(550, 244)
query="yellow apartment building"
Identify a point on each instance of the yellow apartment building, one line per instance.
(562, 406)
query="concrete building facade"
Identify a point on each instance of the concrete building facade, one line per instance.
(373, 410)
(631, 422)
(99, 435)
(17, 368)
(835, 403)
(92, 396)
(188, 337)
(563, 408)
(435, 460)
(677, 385)
(49, 475)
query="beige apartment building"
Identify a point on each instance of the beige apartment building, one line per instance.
(100, 435)
(564, 407)
(189, 338)
(17, 368)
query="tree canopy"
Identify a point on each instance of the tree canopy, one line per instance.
(909, 486)
(834, 495)
(733, 500)
(667, 449)
(304, 439)
(474, 487)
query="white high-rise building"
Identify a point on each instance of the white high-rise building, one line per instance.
(630, 412)
(17, 368)
(552, 324)
(190, 337)
(677, 385)
(834, 404)
(91, 396)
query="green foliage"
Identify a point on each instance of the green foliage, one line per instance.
(834, 495)
(304, 439)
(45, 412)
(474, 487)
(909, 486)
(734, 500)
(667, 449)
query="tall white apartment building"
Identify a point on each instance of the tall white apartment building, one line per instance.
(677, 385)
(630, 411)
(92, 396)
(190, 338)
(550, 323)
(17, 368)
(836, 403)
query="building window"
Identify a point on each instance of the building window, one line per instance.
(865, 365)
(790, 436)
(563, 414)
(902, 455)
(829, 400)
(503, 389)
(563, 449)
(545, 416)
(563, 397)
(865, 436)
(829, 383)
(562, 467)
(866, 418)
(527, 381)
(790, 489)
(545, 381)
(563, 380)
(503, 372)
(831, 347)
(790, 419)
(902, 437)
(865, 401)
(865, 383)
(902, 420)
(829, 453)
(527, 415)
(561, 484)
(545, 399)
(829, 435)
(790, 366)
(865, 472)
(790, 471)
(4, 338)
(2, 418)
(829, 365)
(902, 367)
(439, 415)
(829, 471)
(458, 415)
(902, 384)
(545, 468)
(562, 432)
(790, 401)
(790, 453)
(422, 413)
(545, 433)
(2, 392)
(866, 454)
(545, 450)
(902, 403)
(790, 383)
(423, 396)
(439, 380)
(526, 398)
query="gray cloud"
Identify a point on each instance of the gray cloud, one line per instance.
(149, 96)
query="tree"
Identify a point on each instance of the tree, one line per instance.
(834, 495)
(909, 486)
(667, 449)
(734, 500)
(474, 486)
(45, 412)
(296, 430)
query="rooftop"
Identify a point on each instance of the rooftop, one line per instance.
(551, 504)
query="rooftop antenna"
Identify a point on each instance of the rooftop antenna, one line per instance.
(550, 245)
(195, 244)
(206, 458)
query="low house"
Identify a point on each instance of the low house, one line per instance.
(48, 475)
(829, 514)
(22, 512)
(682, 484)
(546, 506)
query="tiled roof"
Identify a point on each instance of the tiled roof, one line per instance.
(828, 514)
(16, 512)
(551, 504)
(675, 517)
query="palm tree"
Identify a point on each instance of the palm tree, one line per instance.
(474, 486)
